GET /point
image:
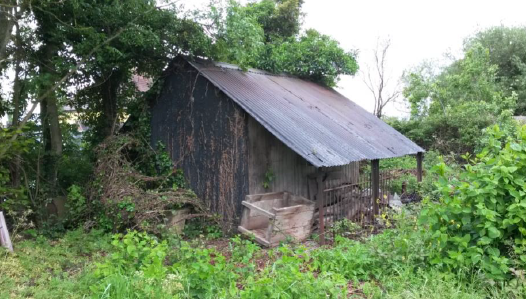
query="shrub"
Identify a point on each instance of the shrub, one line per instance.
(133, 252)
(480, 220)
(130, 198)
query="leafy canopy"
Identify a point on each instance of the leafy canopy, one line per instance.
(449, 110)
(507, 51)
(266, 35)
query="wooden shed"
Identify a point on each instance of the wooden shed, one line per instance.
(236, 133)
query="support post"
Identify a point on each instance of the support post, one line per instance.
(375, 185)
(419, 158)
(321, 206)
(4, 234)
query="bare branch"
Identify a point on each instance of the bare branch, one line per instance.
(377, 81)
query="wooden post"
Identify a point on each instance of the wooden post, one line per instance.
(419, 157)
(4, 234)
(321, 206)
(375, 185)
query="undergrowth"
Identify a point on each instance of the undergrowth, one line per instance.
(391, 264)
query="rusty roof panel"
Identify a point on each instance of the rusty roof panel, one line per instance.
(318, 123)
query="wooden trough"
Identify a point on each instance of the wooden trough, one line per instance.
(275, 217)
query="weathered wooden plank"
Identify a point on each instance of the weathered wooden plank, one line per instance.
(419, 158)
(5, 240)
(375, 185)
(293, 209)
(321, 207)
(258, 237)
(245, 215)
(258, 209)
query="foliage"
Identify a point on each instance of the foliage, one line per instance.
(266, 35)
(76, 205)
(13, 198)
(391, 264)
(450, 110)
(380, 255)
(312, 56)
(278, 19)
(239, 37)
(507, 47)
(132, 252)
(207, 227)
(289, 277)
(269, 177)
(479, 221)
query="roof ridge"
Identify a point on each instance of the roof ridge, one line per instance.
(231, 66)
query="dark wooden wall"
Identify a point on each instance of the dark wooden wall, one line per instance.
(206, 135)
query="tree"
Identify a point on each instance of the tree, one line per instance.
(450, 109)
(279, 19)
(9, 14)
(377, 80)
(266, 35)
(149, 37)
(507, 50)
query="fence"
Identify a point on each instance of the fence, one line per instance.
(359, 202)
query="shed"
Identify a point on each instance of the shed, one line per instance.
(237, 132)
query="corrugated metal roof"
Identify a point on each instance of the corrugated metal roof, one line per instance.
(318, 123)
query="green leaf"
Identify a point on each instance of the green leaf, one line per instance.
(493, 232)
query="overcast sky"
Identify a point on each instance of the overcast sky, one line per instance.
(419, 30)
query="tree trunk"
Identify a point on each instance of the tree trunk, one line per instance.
(17, 107)
(52, 134)
(109, 90)
(7, 21)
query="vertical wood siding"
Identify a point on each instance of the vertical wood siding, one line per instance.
(290, 170)
(206, 135)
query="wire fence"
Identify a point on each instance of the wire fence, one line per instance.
(354, 201)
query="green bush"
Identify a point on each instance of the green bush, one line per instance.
(133, 252)
(480, 220)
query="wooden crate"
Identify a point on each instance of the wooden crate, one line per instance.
(275, 217)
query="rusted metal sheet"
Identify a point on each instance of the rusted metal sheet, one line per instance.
(318, 123)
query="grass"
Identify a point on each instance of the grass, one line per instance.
(43, 268)
(379, 266)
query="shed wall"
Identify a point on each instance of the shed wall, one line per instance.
(206, 135)
(290, 171)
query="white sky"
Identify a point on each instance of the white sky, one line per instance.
(419, 30)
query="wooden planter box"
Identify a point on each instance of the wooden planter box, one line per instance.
(275, 217)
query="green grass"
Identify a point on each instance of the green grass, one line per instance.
(43, 268)
(388, 265)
